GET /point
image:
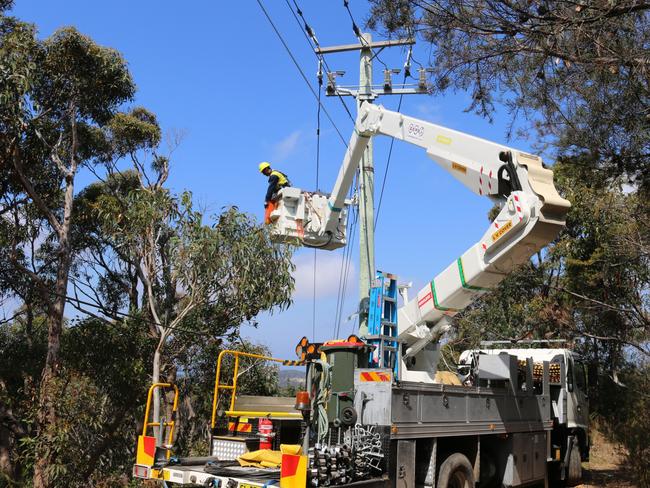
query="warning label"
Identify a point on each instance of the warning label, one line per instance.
(499, 233)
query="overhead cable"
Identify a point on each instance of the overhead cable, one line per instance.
(295, 62)
(357, 32)
(77, 302)
(390, 153)
(310, 35)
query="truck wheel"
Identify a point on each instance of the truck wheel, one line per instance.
(456, 472)
(574, 468)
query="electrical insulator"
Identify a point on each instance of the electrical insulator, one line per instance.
(331, 82)
(320, 72)
(388, 82)
(407, 64)
(422, 84)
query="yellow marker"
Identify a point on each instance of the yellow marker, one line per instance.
(443, 140)
(499, 233)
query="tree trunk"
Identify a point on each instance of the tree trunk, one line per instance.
(155, 378)
(133, 291)
(6, 465)
(47, 415)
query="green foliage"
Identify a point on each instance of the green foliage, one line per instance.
(76, 70)
(230, 271)
(575, 73)
(99, 397)
(134, 131)
(56, 96)
(634, 427)
(19, 52)
(151, 271)
(622, 416)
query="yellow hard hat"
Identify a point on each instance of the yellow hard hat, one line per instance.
(264, 165)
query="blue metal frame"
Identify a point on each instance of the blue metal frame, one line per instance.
(382, 322)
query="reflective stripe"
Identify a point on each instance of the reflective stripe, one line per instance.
(462, 279)
(333, 208)
(282, 179)
(436, 305)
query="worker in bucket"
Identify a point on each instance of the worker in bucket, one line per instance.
(277, 181)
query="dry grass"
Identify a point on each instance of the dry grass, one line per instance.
(606, 467)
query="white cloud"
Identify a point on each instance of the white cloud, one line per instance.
(328, 272)
(432, 112)
(284, 148)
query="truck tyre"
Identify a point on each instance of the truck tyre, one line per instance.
(456, 472)
(574, 467)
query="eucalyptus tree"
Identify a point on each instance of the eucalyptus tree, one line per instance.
(191, 278)
(125, 251)
(574, 72)
(55, 94)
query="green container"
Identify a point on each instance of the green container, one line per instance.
(343, 358)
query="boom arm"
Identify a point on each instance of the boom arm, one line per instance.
(476, 163)
(532, 213)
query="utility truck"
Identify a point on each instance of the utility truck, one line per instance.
(376, 410)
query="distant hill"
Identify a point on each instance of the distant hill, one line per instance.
(291, 377)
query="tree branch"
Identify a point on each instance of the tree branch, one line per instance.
(32, 193)
(615, 339)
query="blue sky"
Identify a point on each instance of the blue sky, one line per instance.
(217, 72)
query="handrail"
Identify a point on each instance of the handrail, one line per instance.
(169, 424)
(264, 414)
(233, 387)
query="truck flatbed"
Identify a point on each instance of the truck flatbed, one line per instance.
(420, 410)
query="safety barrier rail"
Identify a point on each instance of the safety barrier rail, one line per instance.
(172, 421)
(231, 387)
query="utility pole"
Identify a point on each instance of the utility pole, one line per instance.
(366, 194)
(366, 92)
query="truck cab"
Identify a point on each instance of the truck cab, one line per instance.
(569, 402)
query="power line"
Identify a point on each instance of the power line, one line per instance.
(313, 306)
(341, 275)
(345, 270)
(310, 35)
(346, 273)
(355, 27)
(76, 302)
(295, 62)
(390, 153)
(320, 89)
(357, 32)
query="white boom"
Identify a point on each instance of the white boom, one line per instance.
(532, 213)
